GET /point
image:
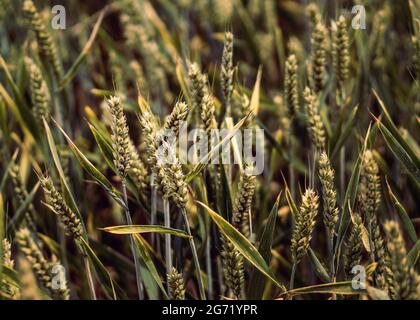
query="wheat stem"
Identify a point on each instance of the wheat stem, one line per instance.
(195, 255)
(168, 245)
(292, 276)
(133, 248)
(89, 277)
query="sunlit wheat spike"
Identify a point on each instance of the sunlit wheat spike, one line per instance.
(176, 285)
(178, 115)
(329, 194)
(198, 85)
(405, 281)
(174, 182)
(120, 138)
(304, 225)
(29, 287)
(139, 76)
(8, 288)
(319, 42)
(291, 89)
(35, 257)
(139, 35)
(379, 253)
(370, 185)
(46, 44)
(340, 51)
(233, 268)
(315, 125)
(138, 171)
(40, 94)
(226, 73)
(243, 203)
(41, 266)
(21, 193)
(56, 203)
(207, 113)
(7, 254)
(354, 245)
(148, 128)
(314, 13)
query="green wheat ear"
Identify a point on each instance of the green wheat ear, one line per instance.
(329, 194)
(354, 246)
(56, 203)
(314, 14)
(8, 288)
(40, 266)
(370, 185)
(291, 89)
(405, 282)
(198, 84)
(22, 193)
(379, 254)
(40, 94)
(179, 114)
(226, 73)
(29, 289)
(233, 268)
(243, 203)
(138, 171)
(319, 42)
(340, 51)
(47, 48)
(120, 138)
(176, 285)
(304, 225)
(313, 118)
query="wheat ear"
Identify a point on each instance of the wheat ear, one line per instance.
(313, 118)
(405, 281)
(46, 44)
(226, 73)
(176, 285)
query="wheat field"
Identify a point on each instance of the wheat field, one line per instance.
(316, 103)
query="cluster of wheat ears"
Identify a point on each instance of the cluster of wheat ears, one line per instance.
(88, 210)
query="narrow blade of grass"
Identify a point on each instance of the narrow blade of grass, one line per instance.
(135, 229)
(243, 245)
